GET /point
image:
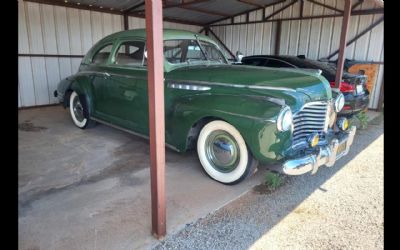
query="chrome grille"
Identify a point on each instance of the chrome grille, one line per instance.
(310, 119)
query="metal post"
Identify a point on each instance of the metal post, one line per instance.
(155, 61)
(278, 37)
(343, 38)
(126, 22)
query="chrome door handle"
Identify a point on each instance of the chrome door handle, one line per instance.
(106, 74)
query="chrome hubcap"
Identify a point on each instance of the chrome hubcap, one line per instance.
(78, 109)
(222, 151)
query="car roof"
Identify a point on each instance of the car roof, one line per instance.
(168, 34)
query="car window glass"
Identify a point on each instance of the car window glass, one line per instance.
(130, 53)
(173, 50)
(254, 62)
(276, 64)
(212, 52)
(101, 56)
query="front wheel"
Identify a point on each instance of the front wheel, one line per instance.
(223, 153)
(77, 112)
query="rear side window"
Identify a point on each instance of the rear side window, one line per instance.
(130, 53)
(101, 56)
(277, 64)
(254, 62)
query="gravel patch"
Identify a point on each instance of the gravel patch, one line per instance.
(337, 208)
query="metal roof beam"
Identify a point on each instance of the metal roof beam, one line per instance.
(280, 9)
(243, 12)
(166, 6)
(210, 12)
(134, 7)
(251, 2)
(325, 6)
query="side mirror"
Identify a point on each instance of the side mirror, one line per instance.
(239, 56)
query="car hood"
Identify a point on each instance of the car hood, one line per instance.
(290, 84)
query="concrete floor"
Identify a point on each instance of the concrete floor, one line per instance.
(90, 189)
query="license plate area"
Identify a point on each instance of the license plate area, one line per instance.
(341, 148)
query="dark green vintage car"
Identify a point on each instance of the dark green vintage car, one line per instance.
(235, 116)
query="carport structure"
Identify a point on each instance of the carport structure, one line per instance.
(317, 28)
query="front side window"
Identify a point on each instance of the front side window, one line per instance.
(101, 56)
(130, 53)
(190, 51)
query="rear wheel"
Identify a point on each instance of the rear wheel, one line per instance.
(77, 110)
(223, 153)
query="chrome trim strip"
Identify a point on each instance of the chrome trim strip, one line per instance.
(110, 74)
(130, 132)
(187, 86)
(234, 85)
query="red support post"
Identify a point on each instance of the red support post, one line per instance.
(155, 62)
(343, 39)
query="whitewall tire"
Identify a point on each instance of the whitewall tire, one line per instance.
(223, 153)
(77, 111)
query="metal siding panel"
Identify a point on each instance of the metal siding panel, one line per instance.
(40, 81)
(74, 31)
(97, 30)
(19, 97)
(117, 21)
(23, 40)
(107, 24)
(62, 30)
(305, 27)
(75, 63)
(49, 29)
(53, 76)
(86, 30)
(285, 32)
(242, 38)
(361, 45)
(266, 39)
(315, 33)
(34, 28)
(376, 41)
(335, 40)
(294, 37)
(27, 89)
(352, 32)
(65, 67)
(229, 37)
(258, 40)
(235, 37)
(326, 37)
(250, 39)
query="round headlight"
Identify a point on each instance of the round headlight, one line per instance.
(285, 119)
(313, 139)
(339, 102)
(343, 123)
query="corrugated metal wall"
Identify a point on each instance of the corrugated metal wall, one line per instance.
(47, 29)
(315, 38)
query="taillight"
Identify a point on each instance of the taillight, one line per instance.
(344, 87)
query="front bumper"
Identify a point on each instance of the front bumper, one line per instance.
(327, 155)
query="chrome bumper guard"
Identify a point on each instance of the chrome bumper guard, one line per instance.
(327, 155)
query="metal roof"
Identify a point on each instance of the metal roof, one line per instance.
(198, 12)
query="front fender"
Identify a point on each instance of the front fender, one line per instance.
(253, 116)
(81, 85)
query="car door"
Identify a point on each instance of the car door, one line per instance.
(97, 71)
(127, 85)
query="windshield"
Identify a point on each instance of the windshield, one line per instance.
(192, 51)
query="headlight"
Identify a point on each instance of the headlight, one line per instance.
(285, 119)
(339, 102)
(343, 123)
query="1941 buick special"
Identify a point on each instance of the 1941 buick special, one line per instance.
(235, 116)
